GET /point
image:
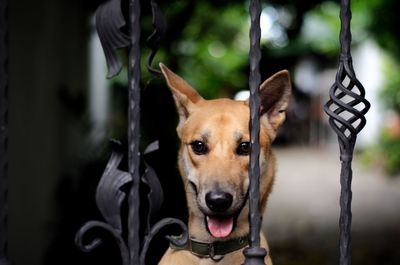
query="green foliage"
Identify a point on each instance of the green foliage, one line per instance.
(321, 28)
(213, 49)
(390, 93)
(382, 23)
(384, 154)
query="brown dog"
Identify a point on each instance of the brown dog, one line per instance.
(214, 162)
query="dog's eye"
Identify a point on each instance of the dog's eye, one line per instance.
(243, 149)
(199, 147)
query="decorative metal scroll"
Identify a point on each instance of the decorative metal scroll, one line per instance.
(109, 24)
(109, 199)
(110, 195)
(3, 130)
(346, 109)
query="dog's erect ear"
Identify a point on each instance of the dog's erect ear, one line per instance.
(275, 95)
(184, 95)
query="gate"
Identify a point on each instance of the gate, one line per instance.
(346, 109)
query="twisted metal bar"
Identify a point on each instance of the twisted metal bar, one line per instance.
(254, 254)
(346, 110)
(3, 131)
(134, 131)
(345, 33)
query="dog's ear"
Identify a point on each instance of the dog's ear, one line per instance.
(184, 95)
(275, 95)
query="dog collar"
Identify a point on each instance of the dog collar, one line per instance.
(214, 250)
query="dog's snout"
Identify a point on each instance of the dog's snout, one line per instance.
(218, 201)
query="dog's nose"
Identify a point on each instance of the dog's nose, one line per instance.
(218, 201)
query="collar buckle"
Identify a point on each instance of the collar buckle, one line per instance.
(211, 253)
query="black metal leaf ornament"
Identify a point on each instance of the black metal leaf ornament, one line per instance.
(109, 199)
(109, 196)
(155, 199)
(154, 40)
(155, 195)
(109, 21)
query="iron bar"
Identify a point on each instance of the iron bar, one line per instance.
(254, 84)
(3, 132)
(345, 211)
(346, 172)
(254, 254)
(345, 33)
(134, 130)
(346, 126)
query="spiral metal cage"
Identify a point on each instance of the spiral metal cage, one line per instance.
(347, 105)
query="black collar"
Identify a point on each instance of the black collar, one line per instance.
(214, 250)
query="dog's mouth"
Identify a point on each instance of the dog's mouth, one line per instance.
(220, 226)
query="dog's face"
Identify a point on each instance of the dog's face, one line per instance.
(214, 154)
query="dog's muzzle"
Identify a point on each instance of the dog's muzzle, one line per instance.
(220, 211)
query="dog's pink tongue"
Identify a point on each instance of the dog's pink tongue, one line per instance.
(220, 227)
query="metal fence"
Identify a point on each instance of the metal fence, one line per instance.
(346, 109)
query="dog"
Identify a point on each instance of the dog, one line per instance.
(214, 161)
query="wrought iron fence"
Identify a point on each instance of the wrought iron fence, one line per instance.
(346, 118)
(109, 22)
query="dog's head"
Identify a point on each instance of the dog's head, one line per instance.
(214, 153)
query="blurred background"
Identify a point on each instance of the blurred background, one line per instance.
(63, 112)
